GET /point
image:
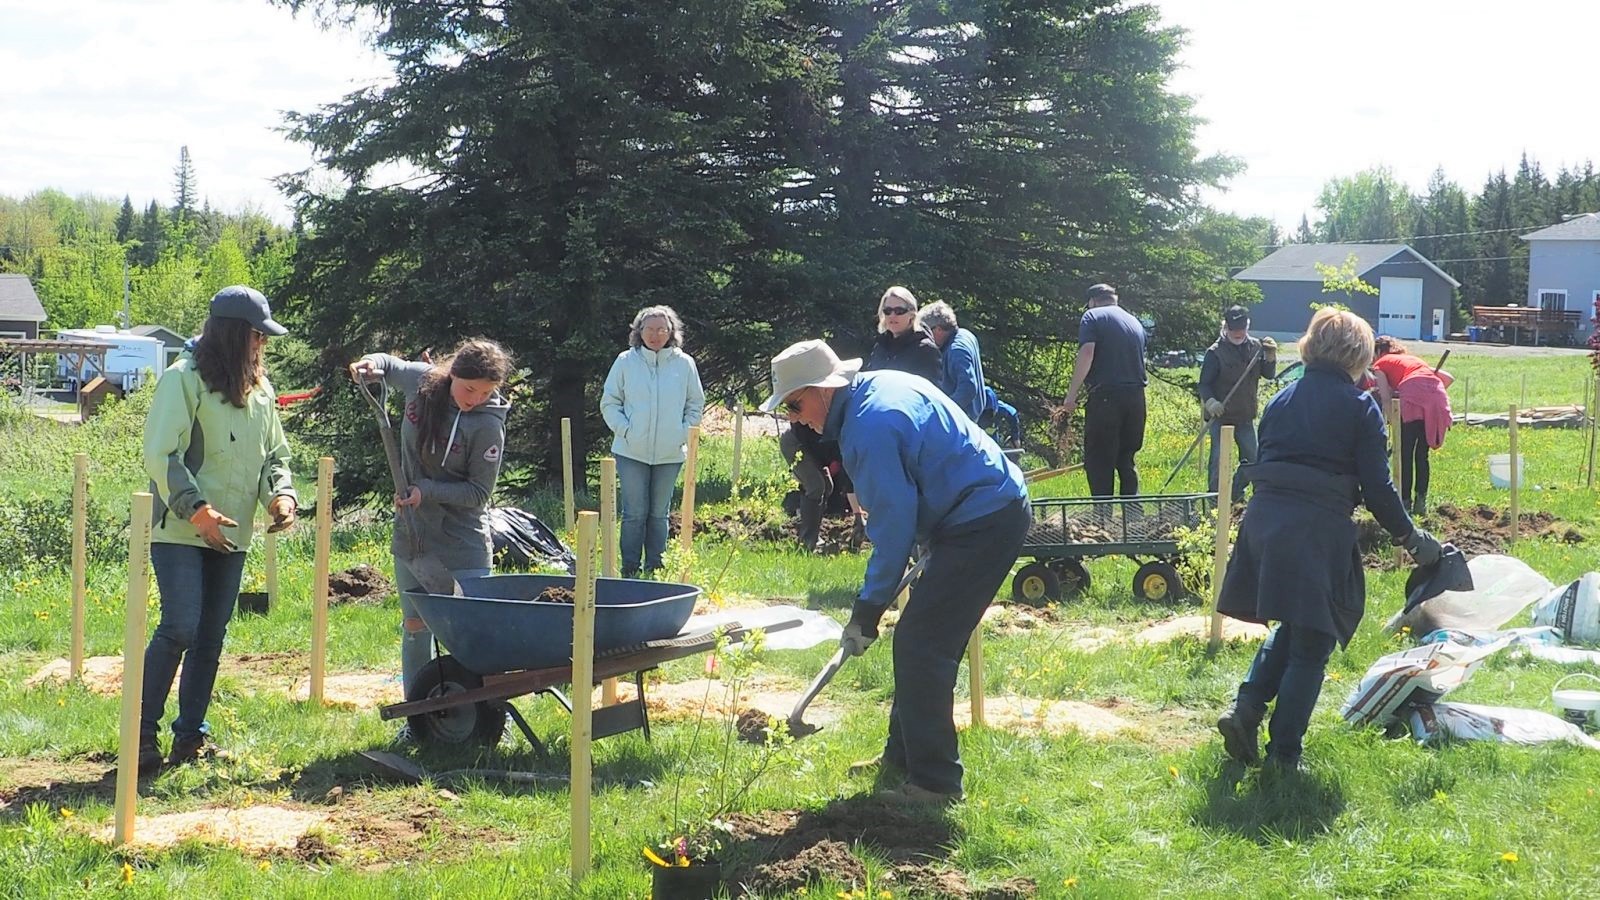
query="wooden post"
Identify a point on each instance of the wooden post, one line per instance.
(738, 446)
(1594, 423)
(80, 556)
(1466, 395)
(566, 471)
(319, 584)
(1219, 559)
(1516, 477)
(975, 674)
(686, 520)
(269, 551)
(1395, 462)
(1523, 400)
(608, 551)
(582, 690)
(133, 666)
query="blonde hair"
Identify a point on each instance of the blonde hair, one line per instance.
(1338, 338)
(904, 296)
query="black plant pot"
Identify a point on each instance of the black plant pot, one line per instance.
(700, 881)
(253, 603)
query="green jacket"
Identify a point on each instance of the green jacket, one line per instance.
(199, 448)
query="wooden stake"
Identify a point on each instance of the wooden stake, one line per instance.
(1594, 424)
(738, 446)
(1516, 477)
(686, 526)
(1395, 462)
(1466, 395)
(582, 690)
(1219, 559)
(319, 584)
(975, 674)
(566, 471)
(1524, 399)
(608, 549)
(269, 561)
(80, 555)
(133, 641)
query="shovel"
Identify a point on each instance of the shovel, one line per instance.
(797, 724)
(433, 575)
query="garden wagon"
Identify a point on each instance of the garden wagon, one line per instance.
(1067, 531)
(505, 642)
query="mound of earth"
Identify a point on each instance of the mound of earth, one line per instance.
(1476, 529)
(358, 584)
(780, 852)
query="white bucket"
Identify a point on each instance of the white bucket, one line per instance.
(1577, 705)
(1500, 470)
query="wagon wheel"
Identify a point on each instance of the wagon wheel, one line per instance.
(1035, 585)
(1159, 582)
(1074, 577)
(483, 722)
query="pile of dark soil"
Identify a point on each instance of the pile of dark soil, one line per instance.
(358, 584)
(751, 725)
(1476, 529)
(556, 594)
(739, 524)
(779, 852)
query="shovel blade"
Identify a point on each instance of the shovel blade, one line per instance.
(433, 575)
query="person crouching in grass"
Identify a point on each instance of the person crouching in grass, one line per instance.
(1323, 451)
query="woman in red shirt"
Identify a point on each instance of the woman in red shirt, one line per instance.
(1424, 413)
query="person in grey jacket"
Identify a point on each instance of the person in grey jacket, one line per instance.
(451, 443)
(651, 398)
(1235, 362)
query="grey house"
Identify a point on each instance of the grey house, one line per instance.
(171, 341)
(1414, 295)
(1564, 268)
(21, 313)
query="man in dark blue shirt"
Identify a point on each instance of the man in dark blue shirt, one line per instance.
(926, 474)
(1111, 363)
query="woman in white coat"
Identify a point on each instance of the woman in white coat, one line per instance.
(652, 396)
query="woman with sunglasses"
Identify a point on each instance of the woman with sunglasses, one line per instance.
(902, 345)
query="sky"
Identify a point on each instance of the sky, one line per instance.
(100, 100)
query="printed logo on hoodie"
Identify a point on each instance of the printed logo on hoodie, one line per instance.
(492, 454)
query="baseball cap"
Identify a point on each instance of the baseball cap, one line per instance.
(247, 303)
(1236, 317)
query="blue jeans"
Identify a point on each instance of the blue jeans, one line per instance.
(1289, 666)
(967, 563)
(646, 500)
(416, 641)
(1244, 438)
(199, 588)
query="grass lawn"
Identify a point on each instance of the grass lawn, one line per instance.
(1136, 802)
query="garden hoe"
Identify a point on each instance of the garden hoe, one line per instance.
(432, 574)
(797, 725)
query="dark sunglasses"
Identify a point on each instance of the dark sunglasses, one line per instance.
(896, 310)
(793, 403)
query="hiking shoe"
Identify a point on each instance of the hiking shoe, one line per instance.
(149, 755)
(911, 794)
(191, 747)
(1239, 735)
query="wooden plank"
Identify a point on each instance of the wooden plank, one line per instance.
(582, 771)
(1219, 558)
(133, 641)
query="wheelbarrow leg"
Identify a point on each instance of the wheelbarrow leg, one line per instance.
(522, 725)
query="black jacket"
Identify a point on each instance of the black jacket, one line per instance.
(1227, 364)
(913, 352)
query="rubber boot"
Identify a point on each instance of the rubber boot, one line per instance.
(1240, 729)
(149, 755)
(810, 523)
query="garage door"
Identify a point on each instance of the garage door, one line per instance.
(1400, 307)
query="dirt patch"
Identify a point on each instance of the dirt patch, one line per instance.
(743, 523)
(683, 700)
(55, 782)
(257, 829)
(1199, 627)
(354, 690)
(1483, 529)
(1014, 618)
(782, 851)
(101, 675)
(358, 584)
(1053, 717)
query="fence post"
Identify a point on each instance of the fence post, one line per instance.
(133, 666)
(738, 447)
(80, 556)
(582, 694)
(1219, 559)
(1395, 463)
(608, 551)
(1516, 477)
(686, 519)
(319, 584)
(566, 471)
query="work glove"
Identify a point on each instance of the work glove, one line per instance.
(861, 630)
(1269, 350)
(282, 510)
(1423, 547)
(1214, 408)
(210, 523)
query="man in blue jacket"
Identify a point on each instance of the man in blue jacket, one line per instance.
(925, 473)
(963, 365)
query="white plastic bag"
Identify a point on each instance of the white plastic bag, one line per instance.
(1505, 724)
(1574, 610)
(1415, 677)
(1503, 586)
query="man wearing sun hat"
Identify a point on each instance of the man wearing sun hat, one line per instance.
(926, 474)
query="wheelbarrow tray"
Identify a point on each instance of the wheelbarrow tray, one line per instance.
(497, 627)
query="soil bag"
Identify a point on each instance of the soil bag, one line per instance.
(521, 541)
(1574, 610)
(1503, 587)
(1505, 724)
(1413, 678)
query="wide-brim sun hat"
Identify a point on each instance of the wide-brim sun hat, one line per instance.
(808, 364)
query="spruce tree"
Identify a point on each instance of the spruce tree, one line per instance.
(125, 220)
(183, 188)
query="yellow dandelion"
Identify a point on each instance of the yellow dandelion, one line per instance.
(1510, 856)
(885, 895)
(67, 813)
(1405, 629)
(1173, 771)
(263, 865)
(1069, 882)
(127, 874)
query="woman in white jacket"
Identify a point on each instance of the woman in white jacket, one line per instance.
(652, 396)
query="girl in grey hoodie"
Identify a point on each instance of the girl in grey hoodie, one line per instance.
(451, 443)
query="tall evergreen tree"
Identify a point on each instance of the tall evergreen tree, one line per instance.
(184, 190)
(1492, 284)
(125, 220)
(152, 236)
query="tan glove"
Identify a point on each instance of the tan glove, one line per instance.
(1269, 350)
(210, 523)
(282, 510)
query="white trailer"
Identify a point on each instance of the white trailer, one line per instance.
(129, 359)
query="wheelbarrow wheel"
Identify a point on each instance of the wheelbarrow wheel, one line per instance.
(483, 722)
(1074, 577)
(1035, 585)
(1158, 582)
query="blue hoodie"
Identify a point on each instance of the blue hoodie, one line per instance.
(963, 373)
(919, 465)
